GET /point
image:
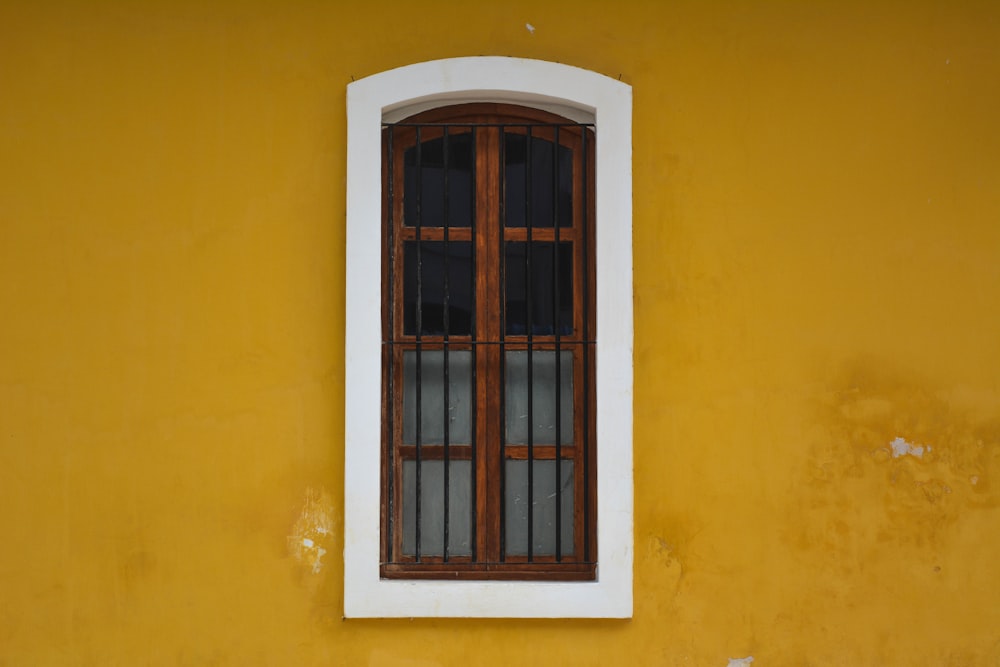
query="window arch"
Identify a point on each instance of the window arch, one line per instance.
(543, 87)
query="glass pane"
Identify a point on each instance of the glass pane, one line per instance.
(536, 173)
(433, 289)
(432, 508)
(432, 406)
(434, 199)
(543, 514)
(544, 397)
(538, 285)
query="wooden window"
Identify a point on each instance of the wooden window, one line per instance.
(488, 331)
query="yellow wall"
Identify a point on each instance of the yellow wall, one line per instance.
(817, 272)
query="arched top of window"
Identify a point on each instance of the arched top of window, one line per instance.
(568, 91)
(489, 112)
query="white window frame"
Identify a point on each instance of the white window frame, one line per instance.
(577, 94)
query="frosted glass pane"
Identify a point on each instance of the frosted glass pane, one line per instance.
(543, 519)
(543, 399)
(432, 409)
(432, 508)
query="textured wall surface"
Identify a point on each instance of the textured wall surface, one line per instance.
(817, 281)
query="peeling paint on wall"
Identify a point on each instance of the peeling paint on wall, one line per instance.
(312, 530)
(901, 447)
(869, 439)
(740, 662)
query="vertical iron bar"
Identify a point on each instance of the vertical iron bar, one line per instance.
(586, 347)
(475, 353)
(390, 244)
(527, 305)
(419, 350)
(555, 328)
(446, 222)
(502, 267)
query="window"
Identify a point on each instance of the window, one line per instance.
(592, 283)
(488, 460)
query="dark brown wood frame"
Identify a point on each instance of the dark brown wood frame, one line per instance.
(488, 561)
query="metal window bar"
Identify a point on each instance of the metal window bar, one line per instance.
(473, 535)
(584, 442)
(528, 223)
(419, 349)
(390, 377)
(503, 338)
(556, 326)
(444, 317)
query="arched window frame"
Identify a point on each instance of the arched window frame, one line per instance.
(571, 92)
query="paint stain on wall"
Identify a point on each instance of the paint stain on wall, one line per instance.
(881, 422)
(312, 532)
(893, 459)
(664, 554)
(900, 447)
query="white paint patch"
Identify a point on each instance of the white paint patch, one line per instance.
(974, 479)
(901, 447)
(530, 28)
(740, 662)
(311, 530)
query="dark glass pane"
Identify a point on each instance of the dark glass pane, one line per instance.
(538, 285)
(433, 290)
(543, 508)
(539, 208)
(432, 409)
(432, 508)
(544, 398)
(433, 197)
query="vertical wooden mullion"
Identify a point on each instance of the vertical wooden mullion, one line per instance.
(392, 356)
(487, 399)
(397, 333)
(494, 444)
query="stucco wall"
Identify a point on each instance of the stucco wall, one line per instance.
(817, 273)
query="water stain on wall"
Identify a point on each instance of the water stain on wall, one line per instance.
(664, 555)
(893, 459)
